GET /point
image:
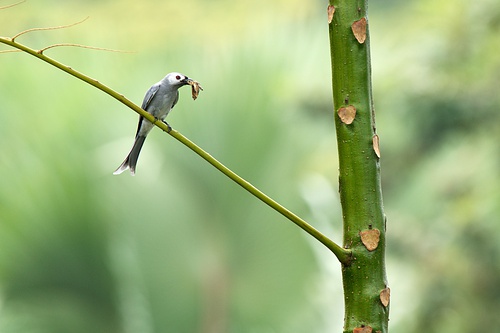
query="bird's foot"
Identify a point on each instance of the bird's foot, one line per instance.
(169, 128)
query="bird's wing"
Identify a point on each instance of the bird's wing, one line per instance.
(145, 103)
(149, 96)
(176, 99)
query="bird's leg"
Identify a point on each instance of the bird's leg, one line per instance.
(169, 128)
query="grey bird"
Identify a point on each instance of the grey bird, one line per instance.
(159, 100)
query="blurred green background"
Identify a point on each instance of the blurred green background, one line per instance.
(179, 248)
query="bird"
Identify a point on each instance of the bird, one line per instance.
(158, 101)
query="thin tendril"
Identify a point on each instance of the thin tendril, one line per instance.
(12, 5)
(49, 28)
(82, 46)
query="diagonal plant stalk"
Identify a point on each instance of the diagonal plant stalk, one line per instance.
(343, 255)
(366, 294)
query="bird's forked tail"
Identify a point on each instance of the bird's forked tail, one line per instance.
(131, 159)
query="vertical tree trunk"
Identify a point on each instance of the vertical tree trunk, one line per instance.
(366, 295)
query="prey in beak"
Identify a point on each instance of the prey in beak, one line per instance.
(195, 87)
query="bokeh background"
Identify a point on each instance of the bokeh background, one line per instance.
(179, 248)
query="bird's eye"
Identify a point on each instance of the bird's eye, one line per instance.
(178, 77)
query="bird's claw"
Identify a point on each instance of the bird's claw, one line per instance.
(169, 128)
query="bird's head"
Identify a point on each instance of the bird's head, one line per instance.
(176, 79)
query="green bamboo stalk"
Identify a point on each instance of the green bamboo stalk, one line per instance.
(366, 294)
(343, 255)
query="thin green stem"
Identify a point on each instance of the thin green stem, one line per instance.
(343, 255)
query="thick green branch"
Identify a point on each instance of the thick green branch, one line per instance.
(343, 255)
(365, 285)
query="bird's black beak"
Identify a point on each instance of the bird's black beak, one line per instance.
(186, 80)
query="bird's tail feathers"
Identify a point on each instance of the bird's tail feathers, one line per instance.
(131, 159)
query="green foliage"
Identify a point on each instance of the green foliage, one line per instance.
(178, 247)
(437, 105)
